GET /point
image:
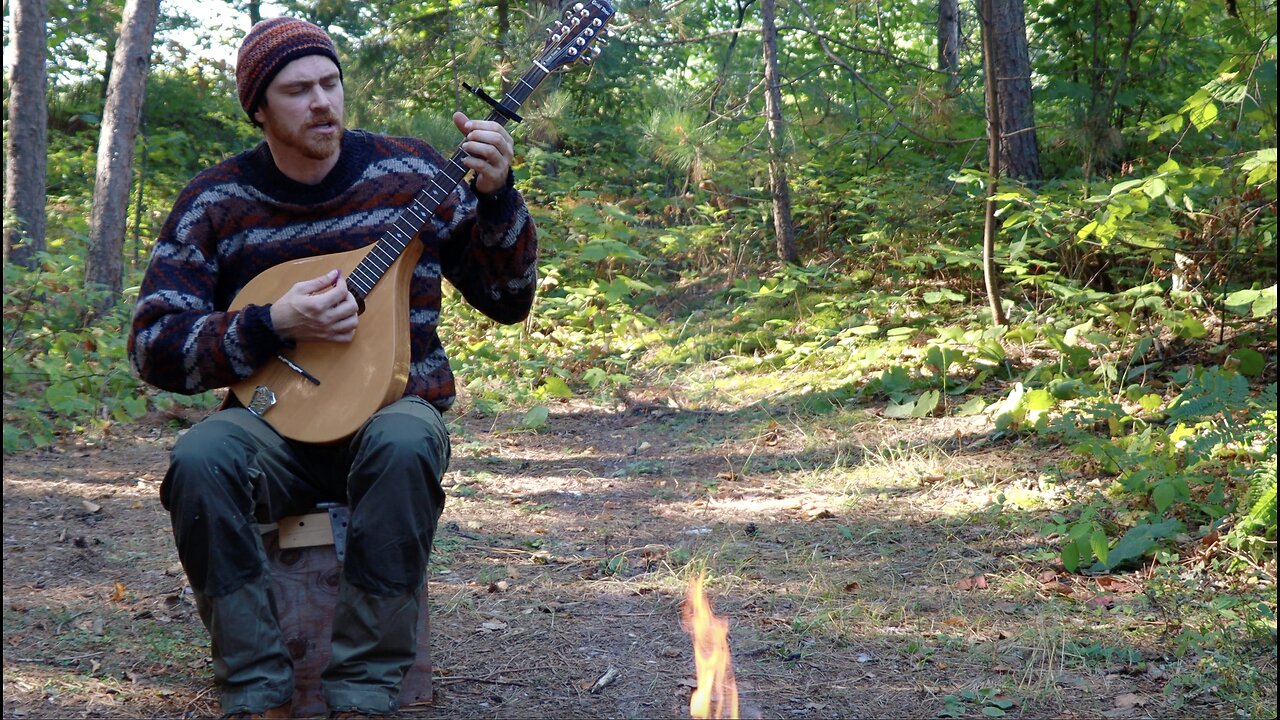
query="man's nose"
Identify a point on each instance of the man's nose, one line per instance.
(320, 98)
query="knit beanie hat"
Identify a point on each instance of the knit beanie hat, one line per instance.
(269, 46)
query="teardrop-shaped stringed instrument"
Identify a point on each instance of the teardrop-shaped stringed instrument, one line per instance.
(321, 392)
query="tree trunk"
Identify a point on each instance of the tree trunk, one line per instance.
(991, 224)
(26, 152)
(504, 37)
(949, 43)
(1020, 156)
(120, 120)
(783, 227)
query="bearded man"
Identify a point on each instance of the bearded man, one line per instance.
(313, 187)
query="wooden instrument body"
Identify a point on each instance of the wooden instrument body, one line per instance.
(357, 378)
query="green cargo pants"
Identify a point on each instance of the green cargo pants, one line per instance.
(232, 471)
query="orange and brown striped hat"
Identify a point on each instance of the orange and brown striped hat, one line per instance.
(269, 46)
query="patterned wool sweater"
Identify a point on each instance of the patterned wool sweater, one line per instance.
(242, 216)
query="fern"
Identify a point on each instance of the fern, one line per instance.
(1261, 499)
(1212, 392)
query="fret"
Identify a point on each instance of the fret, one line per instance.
(405, 235)
(412, 211)
(364, 274)
(359, 286)
(383, 257)
(444, 192)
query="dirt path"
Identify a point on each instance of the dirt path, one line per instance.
(859, 562)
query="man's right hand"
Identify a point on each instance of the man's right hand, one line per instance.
(318, 309)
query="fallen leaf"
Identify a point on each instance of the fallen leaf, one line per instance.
(493, 625)
(1047, 576)
(1130, 700)
(1116, 585)
(818, 514)
(977, 582)
(91, 506)
(608, 677)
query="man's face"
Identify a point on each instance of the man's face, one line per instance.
(303, 109)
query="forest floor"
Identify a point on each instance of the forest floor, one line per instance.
(869, 568)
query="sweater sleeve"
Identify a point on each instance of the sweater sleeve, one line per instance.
(180, 339)
(491, 254)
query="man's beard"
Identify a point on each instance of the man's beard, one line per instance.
(312, 145)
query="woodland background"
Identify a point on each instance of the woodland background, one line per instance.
(1055, 217)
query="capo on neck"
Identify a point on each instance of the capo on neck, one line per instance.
(496, 105)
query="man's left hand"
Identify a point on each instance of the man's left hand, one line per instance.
(490, 150)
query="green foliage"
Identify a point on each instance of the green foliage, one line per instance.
(1255, 526)
(1142, 324)
(65, 371)
(990, 702)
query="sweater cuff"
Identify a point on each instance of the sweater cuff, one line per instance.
(500, 206)
(259, 333)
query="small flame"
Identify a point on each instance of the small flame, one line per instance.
(717, 693)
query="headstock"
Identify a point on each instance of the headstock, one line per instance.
(577, 37)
